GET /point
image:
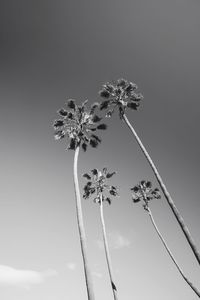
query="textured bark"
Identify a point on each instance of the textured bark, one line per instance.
(108, 259)
(165, 192)
(88, 277)
(171, 255)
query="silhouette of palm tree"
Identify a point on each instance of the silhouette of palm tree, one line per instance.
(77, 124)
(122, 95)
(145, 193)
(97, 186)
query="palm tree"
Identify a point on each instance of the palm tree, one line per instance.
(122, 95)
(78, 125)
(144, 192)
(97, 185)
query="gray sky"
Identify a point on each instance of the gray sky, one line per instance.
(53, 50)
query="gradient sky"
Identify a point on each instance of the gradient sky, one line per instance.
(53, 50)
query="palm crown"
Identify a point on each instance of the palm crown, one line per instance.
(144, 191)
(97, 185)
(121, 94)
(78, 125)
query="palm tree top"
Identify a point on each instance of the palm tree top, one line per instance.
(144, 191)
(121, 94)
(78, 124)
(97, 184)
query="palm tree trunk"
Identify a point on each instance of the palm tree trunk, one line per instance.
(165, 192)
(108, 259)
(88, 277)
(170, 253)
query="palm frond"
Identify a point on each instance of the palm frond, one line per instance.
(135, 189)
(102, 127)
(104, 93)
(136, 97)
(96, 138)
(108, 200)
(148, 184)
(143, 182)
(87, 176)
(71, 103)
(84, 147)
(133, 105)
(93, 129)
(92, 190)
(58, 123)
(94, 171)
(86, 195)
(113, 192)
(96, 119)
(93, 108)
(83, 105)
(156, 193)
(121, 82)
(93, 143)
(105, 170)
(104, 104)
(109, 175)
(131, 87)
(72, 145)
(70, 115)
(135, 199)
(59, 135)
(62, 112)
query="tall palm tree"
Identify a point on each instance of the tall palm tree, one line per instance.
(122, 95)
(78, 125)
(145, 193)
(97, 185)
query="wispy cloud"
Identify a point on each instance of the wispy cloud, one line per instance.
(119, 241)
(22, 278)
(71, 266)
(116, 241)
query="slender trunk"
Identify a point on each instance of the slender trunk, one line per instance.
(165, 192)
(171, 255)
(108, 259)
(88, 277)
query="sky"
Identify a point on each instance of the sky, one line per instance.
(54, 50)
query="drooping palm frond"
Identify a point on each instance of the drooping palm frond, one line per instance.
(78, 124)
(97, 182)
(121, 94)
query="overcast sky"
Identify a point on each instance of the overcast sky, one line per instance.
(53, 50)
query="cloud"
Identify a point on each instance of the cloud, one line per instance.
(115, 241)
(22, 278)
(71, 266)
(119, 241)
